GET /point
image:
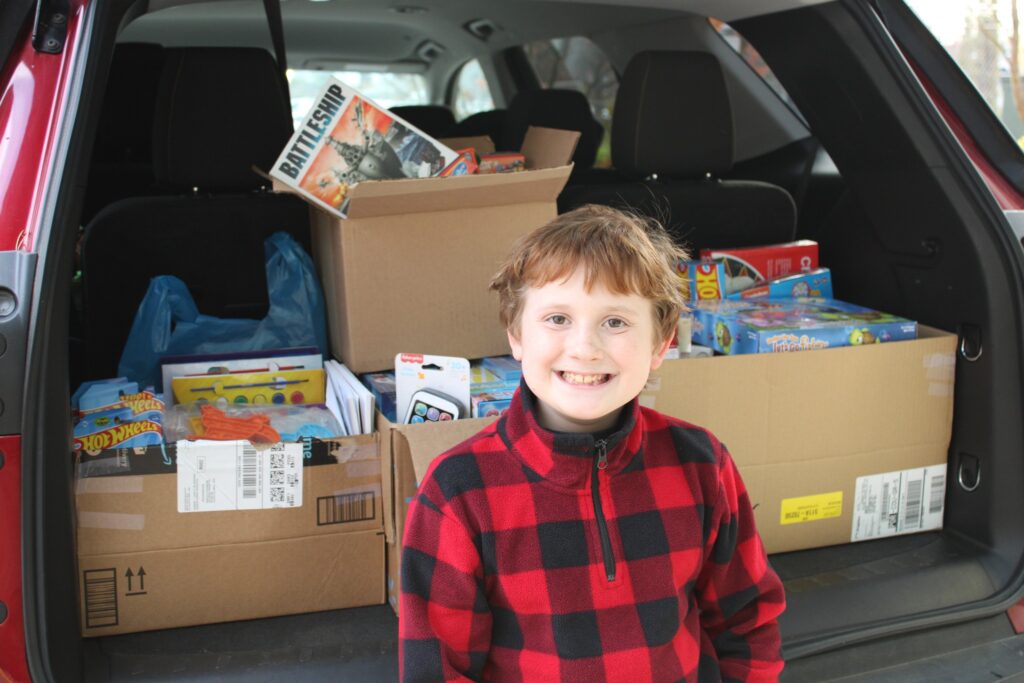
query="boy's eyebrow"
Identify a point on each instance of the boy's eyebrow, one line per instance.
(610, 309)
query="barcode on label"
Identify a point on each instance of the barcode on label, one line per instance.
(249, 472)
(100, 587)
(912, 518)
(936, 494)
(346, 507)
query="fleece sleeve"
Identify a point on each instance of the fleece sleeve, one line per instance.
(444, 621)
(740, 595)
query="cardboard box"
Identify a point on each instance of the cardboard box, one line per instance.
(143, 565)
(401, 446)
(413, 259)
(811, 433)
(805, 427)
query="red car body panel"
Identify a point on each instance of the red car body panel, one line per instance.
(33, 93)
(13, 665)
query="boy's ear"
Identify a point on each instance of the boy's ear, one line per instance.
(659, 353)
(517, 346)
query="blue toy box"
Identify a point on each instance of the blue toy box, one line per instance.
(775, 325)
(815, 284)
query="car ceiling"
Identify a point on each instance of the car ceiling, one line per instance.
(332, 33)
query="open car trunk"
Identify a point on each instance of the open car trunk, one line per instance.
(914, 233)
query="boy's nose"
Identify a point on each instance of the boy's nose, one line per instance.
(586, 345)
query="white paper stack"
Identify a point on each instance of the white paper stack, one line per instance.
(348, 399)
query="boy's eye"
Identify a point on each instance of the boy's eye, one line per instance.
(557, 319)
(616, 323)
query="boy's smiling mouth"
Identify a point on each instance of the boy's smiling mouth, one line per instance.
(583, 378)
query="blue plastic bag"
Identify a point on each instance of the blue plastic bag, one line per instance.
(169, 324)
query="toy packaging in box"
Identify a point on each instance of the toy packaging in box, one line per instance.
(776, 325)
(506, 368)
(704, 280)
(746, 266)
(346, 139)
(111, 414)
(816, 283)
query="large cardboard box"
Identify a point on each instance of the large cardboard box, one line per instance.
(143, 565)
(818, 435)
(812, 432)
(412, 261)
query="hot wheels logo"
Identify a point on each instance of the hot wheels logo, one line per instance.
(792, 342)
(115, 436)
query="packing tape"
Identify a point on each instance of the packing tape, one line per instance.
(104, 485)
(940, 388)
(646, 400)
(363, 468)
(101, 467)
(932, 360)
(350, 452)
(653, 384)
(111, 520)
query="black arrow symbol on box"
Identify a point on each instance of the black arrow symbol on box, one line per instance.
(142, 578)
(128, 573)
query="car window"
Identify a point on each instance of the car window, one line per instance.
(471, 93)
(978, 36)
(389, 89)
(576, 63)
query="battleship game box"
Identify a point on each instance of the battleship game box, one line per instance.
(781, 325)
(346, 139)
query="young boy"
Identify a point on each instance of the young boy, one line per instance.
(582, 537)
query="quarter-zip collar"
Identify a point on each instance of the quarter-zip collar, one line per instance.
(566, 458)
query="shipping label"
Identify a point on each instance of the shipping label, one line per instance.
(811, 508)
(899, 502)
(233, 475)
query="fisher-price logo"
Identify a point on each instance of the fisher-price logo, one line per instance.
(792, 342)
(412, 358)
(108, 438)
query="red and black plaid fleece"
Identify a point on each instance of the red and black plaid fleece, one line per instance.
(534, 556)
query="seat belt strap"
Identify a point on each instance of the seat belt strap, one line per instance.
(273, 9)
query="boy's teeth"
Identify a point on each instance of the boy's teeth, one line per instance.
(574, 378)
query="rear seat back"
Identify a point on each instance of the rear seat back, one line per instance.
(483, 123)
(672, 139)
(122, 157)
(222, 111)
(552, 108)
(432, 119)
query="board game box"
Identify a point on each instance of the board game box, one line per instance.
(780, 325)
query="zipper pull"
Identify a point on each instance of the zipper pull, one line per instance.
(602, 454)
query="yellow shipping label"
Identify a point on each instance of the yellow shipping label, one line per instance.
(811, 508)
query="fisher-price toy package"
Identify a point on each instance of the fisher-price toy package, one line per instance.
(816, 284)
(746, 266)
(771, 326)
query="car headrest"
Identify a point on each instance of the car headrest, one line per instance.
(125, 133)
(432, 119)
(672, 116)
(220, 111)
(552, 108)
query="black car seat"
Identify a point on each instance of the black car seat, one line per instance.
(432, 119)
(553, 108)
(672, 139)
(122, 157)
(488, 123)
(220, 112)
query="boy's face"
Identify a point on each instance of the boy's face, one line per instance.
(585, 354)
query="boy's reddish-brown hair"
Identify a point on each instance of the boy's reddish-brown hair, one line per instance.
(627, 253)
